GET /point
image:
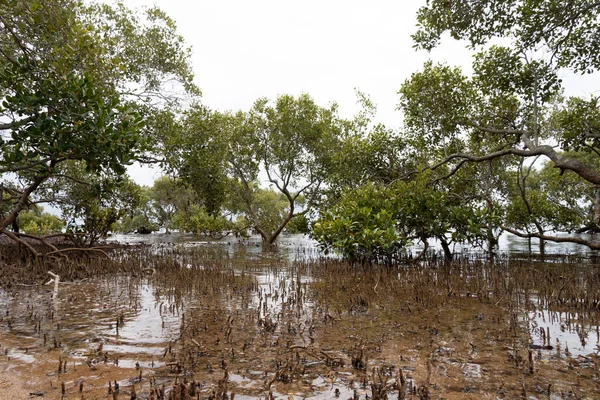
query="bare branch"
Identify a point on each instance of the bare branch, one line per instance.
(22, 203)
(564, 163)
(521, 183)
(421, 254)
(83, 249)
(71, 178)
(577, 240)
(273, 181)
(519, 132)
(149, 160)
(40, 238)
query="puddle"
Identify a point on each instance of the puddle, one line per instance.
(19, 355)
(134, 364)
(564, 332)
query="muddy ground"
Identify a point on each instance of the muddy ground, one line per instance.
(215, 322)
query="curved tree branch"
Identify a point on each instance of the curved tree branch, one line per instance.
(577, 240)
(531, 150)
(39, 238)
(24, 167)
(20, 241)
(85, 249)
(24, 198)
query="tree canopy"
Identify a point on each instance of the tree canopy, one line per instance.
(566, 29)
(512, 107)
(79, 81)
(88, 88)
(291, 140)
(500, 149)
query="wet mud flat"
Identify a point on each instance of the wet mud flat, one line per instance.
(212, 322)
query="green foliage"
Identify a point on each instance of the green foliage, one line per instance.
(61, 103)
(548, 200)
(198, 221)
(138, 222)
(98, 201)
(514, 109)
(269, 208)
(444, 108)
(566, 29)
(292, 139)
(498, 71)
(167, 197)
(578, 125)
(375, 156)
(141, 217)
(376, 223)
(38, 222)
(362, 226)
(220, 155)
(298, 224)
(142, 45)
(79, 81)
(206, 149)
(435, 102)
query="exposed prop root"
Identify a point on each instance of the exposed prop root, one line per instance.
(14, 237)
(39, 238)
(54, 252)
(84, 249)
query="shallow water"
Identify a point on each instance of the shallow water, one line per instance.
(235, 318)
(303, 246)
(565, 331)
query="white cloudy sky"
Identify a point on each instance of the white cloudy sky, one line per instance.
(243, 50)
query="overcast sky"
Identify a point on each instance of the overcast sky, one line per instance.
(243, 50)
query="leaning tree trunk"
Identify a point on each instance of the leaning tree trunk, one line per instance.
(448, 256)
(21, 204)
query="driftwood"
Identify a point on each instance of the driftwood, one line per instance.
(56, 280)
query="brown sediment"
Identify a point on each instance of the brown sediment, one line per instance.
(210, 322)
(12, 386)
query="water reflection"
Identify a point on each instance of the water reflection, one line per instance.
(149, 320)
(230, 309)
(288, 246)
(302, 246)
(566, 332)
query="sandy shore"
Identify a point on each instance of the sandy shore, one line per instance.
(11, 384)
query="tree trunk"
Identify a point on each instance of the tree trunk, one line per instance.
(492, 242)
(269, 239)
(448, 256)
(21, 204)
(596, 210)
(15, 225)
